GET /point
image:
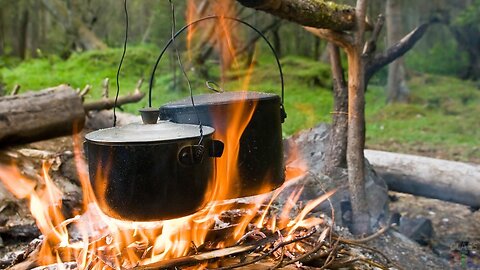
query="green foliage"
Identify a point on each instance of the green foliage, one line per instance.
(443, 58)
(470, 16)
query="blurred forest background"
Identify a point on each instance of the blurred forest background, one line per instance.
(44, 43)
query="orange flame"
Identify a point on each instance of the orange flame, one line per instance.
(105, 242)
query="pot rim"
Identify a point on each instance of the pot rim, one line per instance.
(142, 134)
(225, 98)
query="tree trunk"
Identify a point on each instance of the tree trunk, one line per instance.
(2, 33)
(397, 87)
(22, 34)
(468, 38)
(83, 37)
(356, 141)
(40, 115)
(356, 125)
(34, 31)
(336, 154)
(277, 41)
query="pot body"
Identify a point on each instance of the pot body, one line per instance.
(146, 181)
(260, 158)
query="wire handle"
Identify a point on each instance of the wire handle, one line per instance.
(217, 17)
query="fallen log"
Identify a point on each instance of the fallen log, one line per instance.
(50, 113)
(428, 177)
(40, 115)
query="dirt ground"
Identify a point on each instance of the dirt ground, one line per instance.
(456, 227)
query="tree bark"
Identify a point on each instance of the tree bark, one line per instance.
(468, 38)
(2, 32)
(356, 126)
(336, 154)
(433, 178)
(40, 115)
(314, 13)
(22, 35)
(397, 87)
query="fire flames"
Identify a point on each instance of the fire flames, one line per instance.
(96, 241)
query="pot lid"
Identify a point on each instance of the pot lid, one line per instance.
(223, 98)
(144, 133)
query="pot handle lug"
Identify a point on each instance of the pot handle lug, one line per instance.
(191, 155)
(85, 149)
(216, 148)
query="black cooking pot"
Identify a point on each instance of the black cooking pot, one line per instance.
(260, 160)
(145, 172)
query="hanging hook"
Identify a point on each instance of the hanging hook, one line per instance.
(214, 86)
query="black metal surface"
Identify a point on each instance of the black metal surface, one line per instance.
(260, 160)
(149, 115)
(146, 181)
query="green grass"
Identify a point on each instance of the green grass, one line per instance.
(441, 118)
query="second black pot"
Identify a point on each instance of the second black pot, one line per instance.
(260, 158)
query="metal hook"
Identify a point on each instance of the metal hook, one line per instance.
(214, 86)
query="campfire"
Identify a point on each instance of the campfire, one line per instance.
(93, 240)
(271, 229)
(225, 234)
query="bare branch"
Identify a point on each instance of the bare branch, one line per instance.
(105, 104)
(85, 91)
(105, 87)
(15, 90)
(371, 44)
(396, 51)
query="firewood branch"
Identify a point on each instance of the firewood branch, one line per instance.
(396, 51)
(313, 13)
(109, 103)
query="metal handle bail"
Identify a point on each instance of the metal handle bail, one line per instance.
(217, 17)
